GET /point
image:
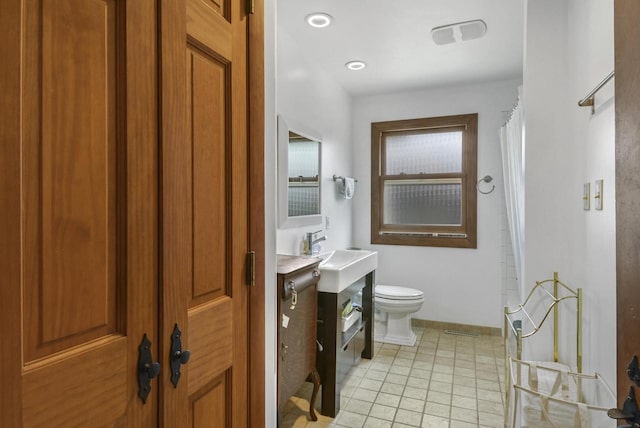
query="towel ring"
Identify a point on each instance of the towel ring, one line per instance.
(486, 179)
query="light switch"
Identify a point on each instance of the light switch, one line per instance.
(586, 197)
(597, 194)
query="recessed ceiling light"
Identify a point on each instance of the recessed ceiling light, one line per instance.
(355, 65)
(319, 20)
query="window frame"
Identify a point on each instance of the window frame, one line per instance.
(457, 236)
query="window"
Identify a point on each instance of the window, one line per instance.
(423, 175)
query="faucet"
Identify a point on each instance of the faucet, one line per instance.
(311, 241)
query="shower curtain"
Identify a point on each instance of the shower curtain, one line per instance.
(512, 145)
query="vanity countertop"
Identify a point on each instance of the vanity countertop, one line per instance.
(288, 264)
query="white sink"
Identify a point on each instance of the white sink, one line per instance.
(341, 268)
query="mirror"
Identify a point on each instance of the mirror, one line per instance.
(299, 160)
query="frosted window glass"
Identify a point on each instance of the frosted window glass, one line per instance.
(431, 153)
(304, 161)
(304, 158)
(304, 200)
(423, 204)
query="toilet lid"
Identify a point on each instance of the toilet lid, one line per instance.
(398, 293)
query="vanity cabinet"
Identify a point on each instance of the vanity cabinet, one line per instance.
(297, 315)
(341, 350)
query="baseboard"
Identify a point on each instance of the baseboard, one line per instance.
(466, 328)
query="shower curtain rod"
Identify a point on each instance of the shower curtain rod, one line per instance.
(509, 113)
(589, 100)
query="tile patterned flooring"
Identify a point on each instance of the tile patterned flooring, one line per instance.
(444, 381)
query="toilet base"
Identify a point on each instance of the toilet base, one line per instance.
(396, 330)
(398, 340)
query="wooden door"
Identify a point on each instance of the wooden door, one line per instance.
(627, 64)
(205, 209)
(78, 210)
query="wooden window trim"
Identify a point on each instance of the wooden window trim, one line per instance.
(431, 235)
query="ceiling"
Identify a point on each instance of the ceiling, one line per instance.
(394, 38)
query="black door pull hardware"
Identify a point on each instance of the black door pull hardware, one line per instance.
(178, 357)
(633, 370)
(147, 369)
(630, 411)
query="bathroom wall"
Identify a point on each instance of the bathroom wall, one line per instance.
(300, 92)
(568, 50)
(590, 59)
(308, 96)
(460, 285)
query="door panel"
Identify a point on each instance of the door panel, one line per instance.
(85, 378)
(207, 83)
(210, 342)
(69, 223)
(205, 219)
(211, 409)
(69, 185)
(78, 186)
(86, 199)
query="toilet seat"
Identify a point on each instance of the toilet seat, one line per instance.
(389, 292)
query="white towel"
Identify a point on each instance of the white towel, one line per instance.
(349, 187)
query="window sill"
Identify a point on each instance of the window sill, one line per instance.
(422, 240)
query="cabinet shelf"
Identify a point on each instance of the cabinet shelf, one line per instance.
(348, 335)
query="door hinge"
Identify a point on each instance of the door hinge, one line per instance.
(251, 7)
(251, 268)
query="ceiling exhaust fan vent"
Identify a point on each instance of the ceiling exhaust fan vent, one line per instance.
(460, 31)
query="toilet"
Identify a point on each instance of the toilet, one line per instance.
(394, 306)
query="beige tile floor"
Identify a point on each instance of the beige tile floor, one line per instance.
(444, 381)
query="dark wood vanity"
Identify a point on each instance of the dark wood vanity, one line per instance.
(297, 315)
(341, 350)
(304, 315)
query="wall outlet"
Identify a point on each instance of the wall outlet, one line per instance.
(597, 194)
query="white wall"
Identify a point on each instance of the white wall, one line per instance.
(568, 50)
(591, 58)
(298, 91)
(310, 97)
(460, 285)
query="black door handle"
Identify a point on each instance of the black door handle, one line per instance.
(147, 369)
(178, 357)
